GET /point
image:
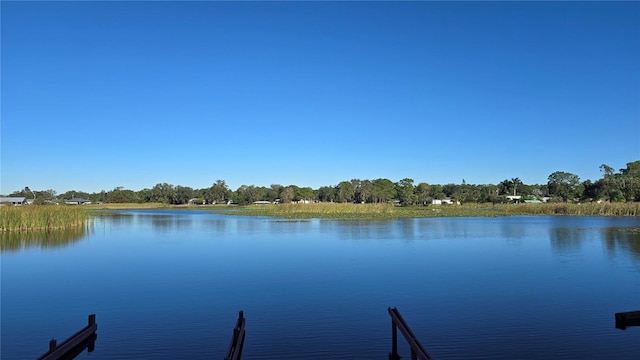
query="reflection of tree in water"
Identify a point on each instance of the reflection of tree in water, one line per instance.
(17, 240)
(566, 239)
(115, 218)
(625, 240)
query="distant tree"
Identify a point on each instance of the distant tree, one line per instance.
(436, 192)
(142, 195)
(405, 191)
(327, 194)
(422, 193)
(247, 194)
(449, 189)
(365, 193)
(515, 182)
(219, 192)
(51, 194)
(274, 192)
(287, 194)
(74, 194)
(608, 181)
(162, 193)
(505, 187)
(304, 193)
(564, 185)
(383, 190)
(630, 181)
(346, 192)
(182, 195)
(592, 191)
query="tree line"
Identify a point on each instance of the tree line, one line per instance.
(621, 186)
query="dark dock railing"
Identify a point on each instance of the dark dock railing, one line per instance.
(237, 341)
(397, 322)
(75, 344)
(629, 318)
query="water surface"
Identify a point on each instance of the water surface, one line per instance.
(169, 284)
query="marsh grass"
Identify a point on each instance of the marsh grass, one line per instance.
(319, 210)
(41, 217)
(381, 211)
(127, 206)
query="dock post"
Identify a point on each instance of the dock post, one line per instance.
(53, 344)
(394, 342)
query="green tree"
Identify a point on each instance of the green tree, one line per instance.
(182, 195)
(218, 193)
(274, 192)
(383, 190)
(75, 194)
(305, 194)
(630, 181)
(505, 187)
(247, 194)
(435, 192)
(121, 195)
(287, 194)
(327, 194)
(422, 193)
(564, 185)
(346, 192)
(162, 193)
(608, 181)
(515, 182)
(405, 191)
(366, 191)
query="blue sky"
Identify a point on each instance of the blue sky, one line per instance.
(97, 95)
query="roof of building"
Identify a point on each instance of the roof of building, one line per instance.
(12, 199)
(78, 200)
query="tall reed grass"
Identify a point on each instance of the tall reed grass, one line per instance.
(320, 210)
(375, 211)
(41, 217)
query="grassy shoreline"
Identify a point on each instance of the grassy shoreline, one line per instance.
(387, 211)
(45, 217)
(49, 217)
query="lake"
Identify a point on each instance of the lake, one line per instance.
(168, 284)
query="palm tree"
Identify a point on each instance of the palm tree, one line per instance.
(515, 182)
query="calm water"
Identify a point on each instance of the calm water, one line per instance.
(169, 284)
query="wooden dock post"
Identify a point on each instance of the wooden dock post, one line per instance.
(629, 318)
(237, 340)
(397, 322)
(394, 342)
(75, 344)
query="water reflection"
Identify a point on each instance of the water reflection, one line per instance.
(116, 218)
(626, 240)
(14, 241)
(565, 239)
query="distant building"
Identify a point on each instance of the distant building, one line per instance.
(447, 201)
(77, 201)
(13, 200)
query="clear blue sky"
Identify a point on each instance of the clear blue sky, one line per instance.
(97, 95)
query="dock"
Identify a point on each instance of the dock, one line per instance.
(628, 318)
(398, 322)
(237, 340)
(74, 345)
